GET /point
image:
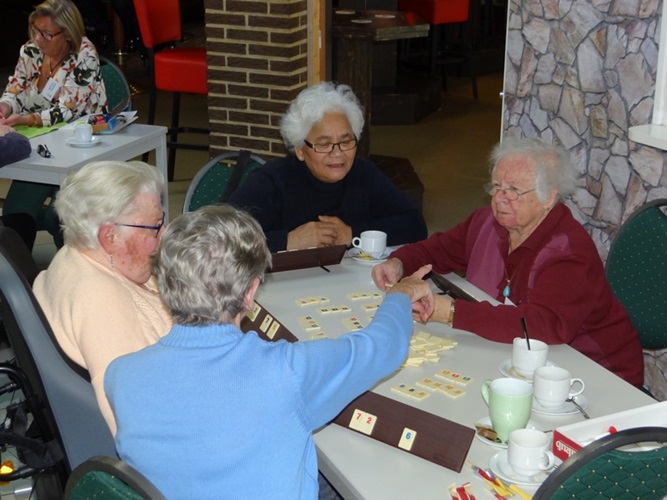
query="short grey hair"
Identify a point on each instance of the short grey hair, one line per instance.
(554, 167)
(99, 193)
(206, 261)
(310, 106)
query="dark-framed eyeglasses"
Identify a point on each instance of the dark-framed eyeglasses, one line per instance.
(44, 34)
(328, 147)
(141, 226)
(43, 151)
(511, 193)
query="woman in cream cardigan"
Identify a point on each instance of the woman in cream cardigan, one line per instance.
(98, 292)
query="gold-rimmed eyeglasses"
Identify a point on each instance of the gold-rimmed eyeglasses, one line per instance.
(141, 226)
(328, 147)
(511, 193)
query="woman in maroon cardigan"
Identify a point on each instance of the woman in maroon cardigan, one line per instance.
(527, 250)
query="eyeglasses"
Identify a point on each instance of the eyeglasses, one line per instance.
(511, 193)
(44, 34)
(141, 226)
(43, 151)
(328, 147)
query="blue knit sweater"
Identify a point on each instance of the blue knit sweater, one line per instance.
(209, 412)
(283, 195)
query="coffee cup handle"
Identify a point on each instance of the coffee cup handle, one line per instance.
(356, 242)
(577, 391)
(485, 391)
(551, 460)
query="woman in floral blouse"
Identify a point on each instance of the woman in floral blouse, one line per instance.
(57, 79)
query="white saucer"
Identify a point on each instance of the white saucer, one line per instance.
(358, 255)
(486, 422)
(76, 144)
(567, 408)
(500, 467)
(505, 367)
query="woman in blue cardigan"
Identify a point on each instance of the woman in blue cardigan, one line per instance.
(232, 412)
(320, 194)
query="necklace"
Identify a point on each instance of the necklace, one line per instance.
(508, 282)
(53, 69)
(507, 290)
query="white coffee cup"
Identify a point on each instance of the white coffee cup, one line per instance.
(529, 453)
(552, 385)
(83, 132)
(524, 360)
(372, 243)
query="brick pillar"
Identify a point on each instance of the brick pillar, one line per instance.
(257, 64)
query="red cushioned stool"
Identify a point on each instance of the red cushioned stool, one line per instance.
(173, 68)
(439, 13)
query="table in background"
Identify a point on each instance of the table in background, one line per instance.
(354, 33)
(130, 142)
(361, 467)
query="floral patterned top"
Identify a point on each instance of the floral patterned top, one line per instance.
(81, 87)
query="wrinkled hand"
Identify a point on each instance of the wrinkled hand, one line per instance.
(11, 120)
(419, 291)
(387, 274)
(343, 231)
(312, 234)
(440, 311)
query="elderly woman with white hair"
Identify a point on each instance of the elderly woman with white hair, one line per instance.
(528, 251)
(98, 293)
(320, 194)
(245, 406)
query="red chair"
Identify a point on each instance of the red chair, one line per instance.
(173, 68)
(439, 13)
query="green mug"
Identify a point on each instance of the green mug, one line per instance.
(510, 402)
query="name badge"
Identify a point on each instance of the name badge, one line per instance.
(50, 89)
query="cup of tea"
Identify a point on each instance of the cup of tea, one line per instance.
(552, 385)
(529, 452)
(525, 359)
(83, 132)
(510, 402)
(372, 243)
